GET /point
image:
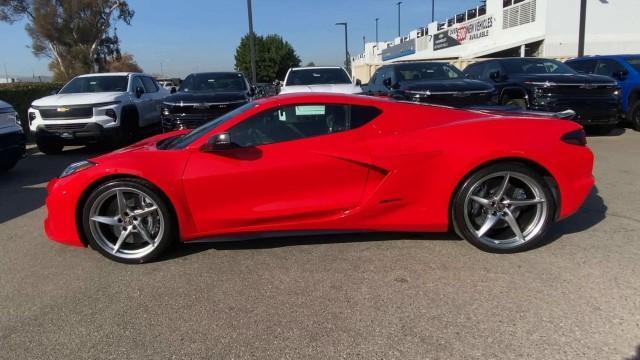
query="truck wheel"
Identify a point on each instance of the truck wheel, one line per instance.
(129, 128)
(634, 115)
(49, 147)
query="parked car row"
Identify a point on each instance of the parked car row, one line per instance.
(12, 139)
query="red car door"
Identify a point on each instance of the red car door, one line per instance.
(299, 175)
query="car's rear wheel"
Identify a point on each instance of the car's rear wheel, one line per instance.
(504, 207)
(128, 221)
(49, 147)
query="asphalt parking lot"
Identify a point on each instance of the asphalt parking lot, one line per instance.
(375, 296)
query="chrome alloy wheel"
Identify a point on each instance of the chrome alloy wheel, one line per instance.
(506, 209)
(126, 222)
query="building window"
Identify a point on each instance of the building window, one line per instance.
(450, 22)
(460, 18)
(472, 14)
(482, 10)
(507, 3)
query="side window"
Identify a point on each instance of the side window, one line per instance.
(608, 67)
(149, 85)
(584, 66)
(299, 121)
(137, 83)
(379, 77)
(491, 67)
(474, 70)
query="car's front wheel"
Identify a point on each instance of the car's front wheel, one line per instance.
(634, 115)
(506, 207)
(128, 221)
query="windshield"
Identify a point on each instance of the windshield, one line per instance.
(317, 77)
(635, 62)
(427, 71)
(214, 82)
(96, 84)
(198, 132)
(537, 66)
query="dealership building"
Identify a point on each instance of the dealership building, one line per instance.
(506, 28)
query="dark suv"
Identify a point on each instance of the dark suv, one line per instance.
(625, 69)
(203, 97)
(429, 82)
(551, 86)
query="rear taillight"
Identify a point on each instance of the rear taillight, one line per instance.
(577, 137)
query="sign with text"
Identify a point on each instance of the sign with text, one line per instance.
(406, 48)
(461, 33)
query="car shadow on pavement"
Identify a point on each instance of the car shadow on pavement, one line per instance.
(636, 356)
(591, 213)
(24, 188)
(286, 241)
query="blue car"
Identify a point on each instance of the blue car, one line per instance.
(626, 70)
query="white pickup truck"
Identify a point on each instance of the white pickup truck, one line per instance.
(91, 108)
(328, 79)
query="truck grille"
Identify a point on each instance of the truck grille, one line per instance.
(65, 127)
(66, 113)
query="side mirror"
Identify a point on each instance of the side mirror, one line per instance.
(620, 75)
(496, 76)
(173, 90)
(252, 90)
(358, 82)
(387, 83)
(55, 92)
(139, 92)
(218, 142)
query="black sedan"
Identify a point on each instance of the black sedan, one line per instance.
(429, 82)
(204, 96)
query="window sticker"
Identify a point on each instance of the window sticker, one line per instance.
(307, 110)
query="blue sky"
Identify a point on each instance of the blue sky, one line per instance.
(197, 35)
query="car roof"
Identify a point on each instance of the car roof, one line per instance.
(324, 97)
(617, 56)
(217, 72)
(316, 67)
(114, 74)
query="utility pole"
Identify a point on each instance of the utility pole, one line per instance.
(399, 3)
(252, 43)
(583, 25)
(364, 43)
(347, 63)
(377, 31)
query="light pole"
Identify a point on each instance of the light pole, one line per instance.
(346, 46)
(433, 10)
(377, 31)
(583, 25)
(252, 43)
(399, 3)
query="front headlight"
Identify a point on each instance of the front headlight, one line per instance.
(76, 167)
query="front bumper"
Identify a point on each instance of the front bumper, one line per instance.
(588, 111)
(74, 133)
(12, 146)
(60, 224)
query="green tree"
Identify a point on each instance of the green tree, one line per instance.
(310, 63)
(274, 57)
(69, 32)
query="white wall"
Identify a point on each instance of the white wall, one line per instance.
(610, 27)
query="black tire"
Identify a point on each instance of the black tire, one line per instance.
(521, 103)
(599, 130)
(533, 239)
(49, 147)
(168, 237)
(129, 127)
(7, 165)
(633, 115)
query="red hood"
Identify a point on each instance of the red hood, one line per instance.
(146, 144)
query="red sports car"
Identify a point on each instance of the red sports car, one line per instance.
(314, 163)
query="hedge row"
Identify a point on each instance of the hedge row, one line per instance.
(21, 95)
